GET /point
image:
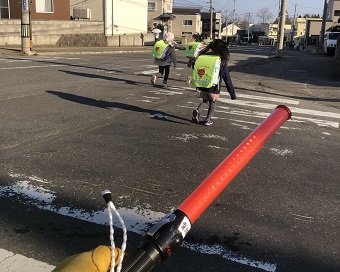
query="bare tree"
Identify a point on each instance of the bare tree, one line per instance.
(265, 15)
(243, 22)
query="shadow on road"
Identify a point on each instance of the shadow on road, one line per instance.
(106, 105)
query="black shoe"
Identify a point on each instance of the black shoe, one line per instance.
(195, 116)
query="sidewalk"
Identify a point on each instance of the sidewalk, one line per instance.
(54, 50)
(301, 75)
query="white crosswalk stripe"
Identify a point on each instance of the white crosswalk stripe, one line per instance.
(37, 59)
(258, 106)
(277, 100)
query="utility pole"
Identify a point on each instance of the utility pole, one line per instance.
(282, 27)
(211, 19)
(248, 25)
(25, 27)
(226, 24)
(323, 25)
(232, 26)
(293, 30)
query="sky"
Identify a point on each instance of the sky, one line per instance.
(244, 7)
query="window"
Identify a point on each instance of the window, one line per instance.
(186, 33)
(4, 10)
(333, 36)
(187, 22)
(151, 5)
(44, 6)
(336, 12)
(167, 7)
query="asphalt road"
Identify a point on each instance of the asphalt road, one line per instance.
(72, 126)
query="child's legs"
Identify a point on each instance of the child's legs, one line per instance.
(212, 106)
(166, 73)
(202, 105)
(161, 70)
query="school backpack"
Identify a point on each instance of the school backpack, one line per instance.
(206, 71)
(160, 50)
(193, 48)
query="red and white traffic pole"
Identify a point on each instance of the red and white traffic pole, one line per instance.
(213, 185)
(164, 236)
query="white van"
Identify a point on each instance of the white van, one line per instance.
(329, 44)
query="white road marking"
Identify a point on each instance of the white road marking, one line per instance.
(16, 262)
(266, 98)
(307, 89)
(319, 122)
(149, 72)
(137, 219)
(41, 59)
(242, 126)
(271, 107)
(217, 147)
(33, 66)
(151, 97)
(219, 250)
(281, 152)
(263, 115)
(166, 92)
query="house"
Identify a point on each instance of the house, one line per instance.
(39, 9)
(313, 25)
(114, 14)
(111, 12)
(313, 28)
(258, 30)
(217, 24)
(187, 21)
(87, 10)
(299, 30)
(274, 29)
(159, 12)
(333, 12)
(229, 31)
(51, 24)
(123, 17)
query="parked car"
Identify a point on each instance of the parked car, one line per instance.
(329, 44)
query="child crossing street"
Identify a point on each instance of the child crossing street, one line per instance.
(210, 67)
(164, 54)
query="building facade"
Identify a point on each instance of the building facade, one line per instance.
(187, 21)
(40, 9)
(216, 27)
(157, 8)
(274, 30)
(299, 30)
(333, 12)
(93, 8)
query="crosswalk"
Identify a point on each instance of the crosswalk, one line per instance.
(248, 105)
(255, 107)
